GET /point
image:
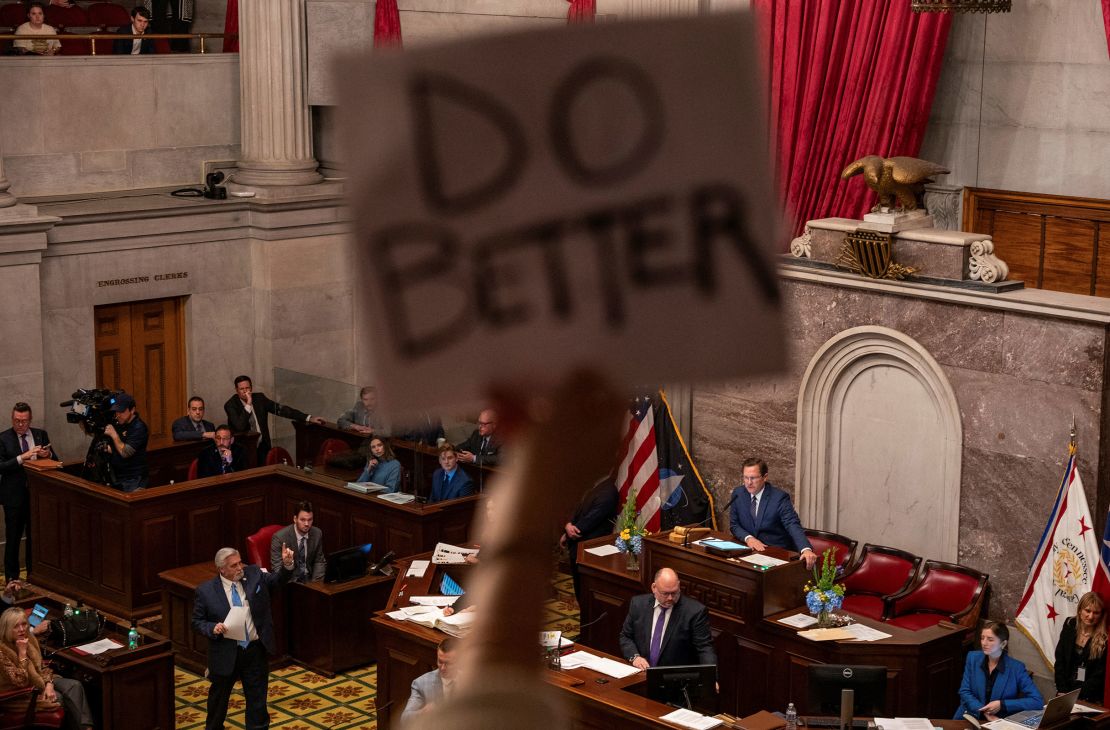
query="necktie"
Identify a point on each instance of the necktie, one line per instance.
(237, 601)
(485, 445)
(304, 557)
(755, 506)
(23, 443)
(657, 637)
(200, 426)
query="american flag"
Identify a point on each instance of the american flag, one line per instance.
(656, 465)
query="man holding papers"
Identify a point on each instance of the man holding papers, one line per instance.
(665, 628)
(233, 611)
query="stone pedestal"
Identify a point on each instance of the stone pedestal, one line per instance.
(276, 122)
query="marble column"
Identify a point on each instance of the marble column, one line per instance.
(276, 123)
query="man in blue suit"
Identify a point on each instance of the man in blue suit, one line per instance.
(763, 515)
(230, 659)
(449, 481)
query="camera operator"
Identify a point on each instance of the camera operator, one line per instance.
(128, 445)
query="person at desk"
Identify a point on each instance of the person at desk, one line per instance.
(223, 457)
(449, 481)
(434, 686)
(382, 467)
(307, 542)
(192, 426)
(483, 445)
(995, 684)
(763, 515)
(19, 444)
(127, 446)
(363, 416)
(1081, 650)
(231, 659)
(247, 411)
(665, 628)
(21, 667)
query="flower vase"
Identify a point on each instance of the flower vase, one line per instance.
(633, 564)
(824, 619)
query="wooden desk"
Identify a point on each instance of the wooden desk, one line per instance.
(763, 663)
(171, 462)
(109, 547)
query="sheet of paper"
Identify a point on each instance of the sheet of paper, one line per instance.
(826, 634)
(915, 723)
(603, 550)
(691, 719)
(1004, 724)
(865, 633)
(446, 554)
(417, 610)
(576, 659)
(799, 620)
(760, 559)
(503, 208)
(98, 647)
(1083, 709)
(418, 568)
(427, 619)
(434, 600)
(236, 623)
(597, 663)
(398, 615)
(398, 497)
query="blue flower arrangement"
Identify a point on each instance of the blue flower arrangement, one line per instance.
(823, 594)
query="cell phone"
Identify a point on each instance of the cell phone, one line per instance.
(38, 614)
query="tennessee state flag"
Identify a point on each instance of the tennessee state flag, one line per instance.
(1064, 567)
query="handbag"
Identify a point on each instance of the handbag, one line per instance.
(82, 626)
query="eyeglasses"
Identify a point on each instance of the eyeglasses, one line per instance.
(753, 479)
(485, 423)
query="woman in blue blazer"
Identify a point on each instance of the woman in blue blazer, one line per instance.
(995, 684)
(382, 467)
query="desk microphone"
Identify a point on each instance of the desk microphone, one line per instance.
(591, 623)
(708, 517)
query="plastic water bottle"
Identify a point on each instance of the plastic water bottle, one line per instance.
(133, 636)
(68, 612)
(791, 717)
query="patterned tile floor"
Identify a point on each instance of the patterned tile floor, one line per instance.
(303, 700)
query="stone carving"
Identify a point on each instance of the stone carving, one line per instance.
(802, 246)
(984, 266)
(944, 203)
(900, 179)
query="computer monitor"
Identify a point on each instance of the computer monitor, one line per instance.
(347, 564)
(868, 683)
(693, 686)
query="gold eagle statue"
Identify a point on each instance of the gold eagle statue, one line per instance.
(895, 178)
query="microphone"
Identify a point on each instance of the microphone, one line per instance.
(591, 623)
(708, 517)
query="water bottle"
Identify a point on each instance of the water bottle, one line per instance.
(791, 717)
(68, 612)
(133, 636)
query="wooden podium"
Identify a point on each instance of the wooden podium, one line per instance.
(762, 663)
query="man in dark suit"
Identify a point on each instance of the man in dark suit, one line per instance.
(247, 411)
(231, 659)
(140, 19)
(483, 446)
(193, 427)
(307, 543)
(763, 515)
(449, 481)
(223, 457)
(665, 628)
(18, 444)
(592, 518)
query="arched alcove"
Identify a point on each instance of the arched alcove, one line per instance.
(880, 444)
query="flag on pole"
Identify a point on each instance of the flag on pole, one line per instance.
(1102, 582)
(656, 464)
(1063, 568)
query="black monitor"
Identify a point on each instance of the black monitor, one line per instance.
(347, 564)
(868, 683)
(693, 686)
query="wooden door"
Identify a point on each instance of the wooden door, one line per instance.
(140, 348)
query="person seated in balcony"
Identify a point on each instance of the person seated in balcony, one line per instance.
(140, 20)
(36, 26)
(1081, 650)
(382, 467)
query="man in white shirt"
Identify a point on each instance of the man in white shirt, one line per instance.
(436, 685)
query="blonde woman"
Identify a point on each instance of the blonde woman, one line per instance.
(21, 667)
(1081, 650)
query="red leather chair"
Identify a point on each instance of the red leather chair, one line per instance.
(23, 714)
(942, 592)
(845, 547)
(12, 15)
(193, 466)
(881, 571)
(258, 545)
(108, 16)
(330, 448)
(277, 455)
(63, 17)
(73, 46)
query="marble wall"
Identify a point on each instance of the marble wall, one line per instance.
(1021, 366)
(1023, 101)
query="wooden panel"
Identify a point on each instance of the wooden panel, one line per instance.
(1102, 271)
(156, 551)
(204, 533)
(1017, 241)
(335, 524)
(112, 327)
(247, 515)
(113, 536)
(754, 684)
(1069, 255)
(48, 531)
(83, 535)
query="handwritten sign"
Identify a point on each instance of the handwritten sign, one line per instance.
(531, 203)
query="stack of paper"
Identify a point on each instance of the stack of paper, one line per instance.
(798, 620)
(865, 633)
(366, 487)
(433, 600)
(613, 668)
(397, 497)
(418, 569)
(445, 554)
(904, 723)
(691, 719)
(458, 624)
(763, 561)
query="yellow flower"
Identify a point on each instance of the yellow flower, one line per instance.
(625, 534)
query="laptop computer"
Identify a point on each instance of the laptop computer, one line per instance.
(1056, 712)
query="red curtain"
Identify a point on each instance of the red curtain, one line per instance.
(581, 11)
(387, 24)
(231, 27)
(1106, 23)
(845, 78)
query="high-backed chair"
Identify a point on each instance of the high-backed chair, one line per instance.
(880, 571)
(194, 465)
(12, 15)
(845, 547)
(17, 711)
(278, 455)
(330, 448)
(108, 16)
(73, 46)
(63, 17)
(941, 592)
(258, 546)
